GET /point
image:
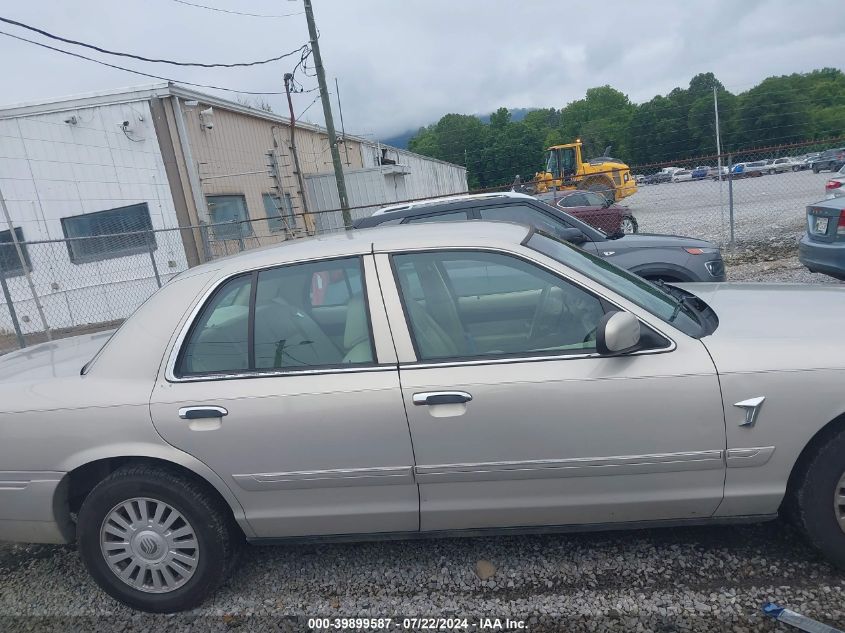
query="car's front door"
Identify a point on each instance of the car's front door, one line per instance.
(516, 420)
(286, 385)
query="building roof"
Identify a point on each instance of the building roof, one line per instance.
(169, 89)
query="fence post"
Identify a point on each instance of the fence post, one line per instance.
(11, 306)
(240, 228)
(206, 243)
(25, 268)
(151, 243)
(731, 197)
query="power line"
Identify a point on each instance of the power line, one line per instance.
(141, 57)
(251, 15)
(136, 72)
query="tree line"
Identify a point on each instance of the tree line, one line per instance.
(777, 111)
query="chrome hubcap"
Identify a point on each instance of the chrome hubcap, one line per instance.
(839, 502)
(627, 226)
(149, 545)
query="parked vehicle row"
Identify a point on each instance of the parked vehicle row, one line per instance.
(833, 160)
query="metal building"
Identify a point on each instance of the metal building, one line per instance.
(141, 166)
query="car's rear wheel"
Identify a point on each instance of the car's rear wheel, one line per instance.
(819, 502)
(628, 225)
(155, 539)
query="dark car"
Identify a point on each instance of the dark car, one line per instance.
(656, 257)
(822, 249)
(596, 210)
(832, 159)
(657, 178)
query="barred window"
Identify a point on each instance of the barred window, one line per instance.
(230, 217)
(279, 218)
(10, 263)
(119, 232)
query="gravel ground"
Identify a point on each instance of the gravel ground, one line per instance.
(691, 579)
(698, 579)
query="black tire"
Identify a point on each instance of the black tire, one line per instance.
(217, 536)
(633, 224)
(816, 169)
(814, 506)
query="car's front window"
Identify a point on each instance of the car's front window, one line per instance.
(626, 284)
(470, 304)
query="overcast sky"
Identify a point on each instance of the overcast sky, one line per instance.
(405, 63)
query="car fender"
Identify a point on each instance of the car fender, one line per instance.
(165, 453)
(656, 269)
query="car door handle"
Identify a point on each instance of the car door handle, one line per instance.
(441, 397)
(196, 413)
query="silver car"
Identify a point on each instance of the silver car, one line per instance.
(440, 379)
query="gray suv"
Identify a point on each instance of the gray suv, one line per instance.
(656, 257)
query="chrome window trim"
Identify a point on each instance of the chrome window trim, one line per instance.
(420, 364)
(173, 356)
(499, 360)
(282, 372)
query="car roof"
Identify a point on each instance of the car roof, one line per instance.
(428, 235)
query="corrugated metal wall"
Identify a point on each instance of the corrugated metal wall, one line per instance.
(428, 177)
(367, 188)
(377, 185)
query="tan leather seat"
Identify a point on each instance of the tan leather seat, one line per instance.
(432, 340)
(356, 336)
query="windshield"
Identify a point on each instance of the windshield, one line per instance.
(633, 287)
(551, 164)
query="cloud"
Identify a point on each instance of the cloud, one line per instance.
(404, 64)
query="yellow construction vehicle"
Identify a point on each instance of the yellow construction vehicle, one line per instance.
(567, 169)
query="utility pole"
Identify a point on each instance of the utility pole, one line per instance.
(327, 113)
(302, 193)
(718, 137)
(719, 159)
(342, 126)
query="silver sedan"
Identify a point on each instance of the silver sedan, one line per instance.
(438, 379)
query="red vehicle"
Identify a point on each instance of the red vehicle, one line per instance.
(593, 208)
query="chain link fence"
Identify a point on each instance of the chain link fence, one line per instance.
(88, 284)
(743, 199)
(58, 288)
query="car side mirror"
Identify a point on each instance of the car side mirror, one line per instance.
(573, 236)
(617, 333)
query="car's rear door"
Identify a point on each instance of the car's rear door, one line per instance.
(515, 419)
(286, 385)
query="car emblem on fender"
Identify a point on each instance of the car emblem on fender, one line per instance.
(752, 409)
